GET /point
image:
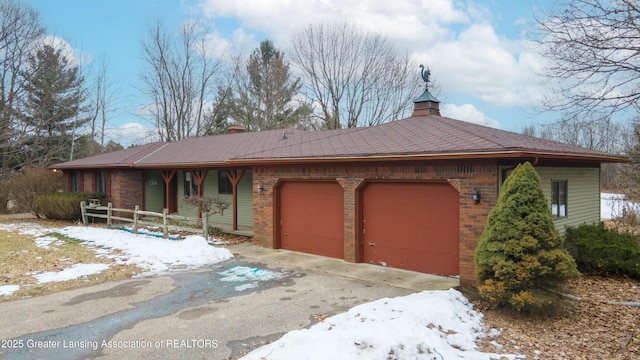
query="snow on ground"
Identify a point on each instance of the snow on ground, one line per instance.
(73, 272)
(45, 242)
(6, 290)
(151, 253)
(426, 325)
(615, 205)
(249, 275)
(154, 255)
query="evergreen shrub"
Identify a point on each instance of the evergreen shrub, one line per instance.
(601, 251)
(521, 262)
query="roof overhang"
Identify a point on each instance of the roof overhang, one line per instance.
(515, 154)
(439, 156)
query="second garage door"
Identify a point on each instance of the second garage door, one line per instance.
(413, 226)
(311, 218)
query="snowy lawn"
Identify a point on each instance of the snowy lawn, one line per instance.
(615, 205)
(148, 252)
(155, 255)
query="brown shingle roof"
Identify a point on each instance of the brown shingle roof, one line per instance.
(430, 136)
(421, 135)
(122, 158)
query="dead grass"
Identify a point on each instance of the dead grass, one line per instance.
(20, 258)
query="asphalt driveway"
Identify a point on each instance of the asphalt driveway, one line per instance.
(200, 314)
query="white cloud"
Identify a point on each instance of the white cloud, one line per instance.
(498, 71)
(469, 113)
(456, 40)
(401, 20)
(131, 133)
(74, 56)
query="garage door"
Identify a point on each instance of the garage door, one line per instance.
(312, 218)
(412, 226)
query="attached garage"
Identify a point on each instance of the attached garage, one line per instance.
(411, 225)
(311, 217)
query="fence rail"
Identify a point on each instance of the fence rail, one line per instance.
(89, 210)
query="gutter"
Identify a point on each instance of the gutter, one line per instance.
(449, 156)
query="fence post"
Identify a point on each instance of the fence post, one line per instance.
(135, 219)
(205, 226)
(109, 213)
(165, 231)
(83, 209)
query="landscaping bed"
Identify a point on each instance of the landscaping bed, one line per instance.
(591, 329)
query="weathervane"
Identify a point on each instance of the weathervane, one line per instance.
(425, 76)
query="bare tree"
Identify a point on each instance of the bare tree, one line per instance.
(103, 91)
(592, 50)
(20, 30)
(596, 133)
(179, 77)
(354, 78)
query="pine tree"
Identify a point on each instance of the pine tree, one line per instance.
(51, 111)
(520, 258)
(264, 95)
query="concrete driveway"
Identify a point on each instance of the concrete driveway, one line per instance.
(199, 314)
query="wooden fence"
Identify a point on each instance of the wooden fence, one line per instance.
(95, 210)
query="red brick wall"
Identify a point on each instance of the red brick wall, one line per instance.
(88, 182)
(126, 188)
(464, 176)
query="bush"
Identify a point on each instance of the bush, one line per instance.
(215, 231)
(64, 206)
(520, 259)
(23, 187)
(601, 251)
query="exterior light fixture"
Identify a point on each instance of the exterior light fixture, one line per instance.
(476, 196)
(260, 189)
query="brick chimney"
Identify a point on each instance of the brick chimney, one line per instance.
(234, 129)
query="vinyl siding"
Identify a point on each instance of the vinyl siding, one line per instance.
(154, 191)
(583, 194)
(210, 188)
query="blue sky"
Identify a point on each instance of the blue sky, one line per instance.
(477, 50)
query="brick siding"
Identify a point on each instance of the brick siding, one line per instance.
(464, 176)
(126, 188)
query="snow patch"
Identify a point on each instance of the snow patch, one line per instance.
(426, 325)
(6, 290)
(155, 255)
(27, 229)
(45, 242)
(74, 272)
(615, 205)
(250, 275)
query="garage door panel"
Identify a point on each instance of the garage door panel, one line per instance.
(412, 226)
(312, 218)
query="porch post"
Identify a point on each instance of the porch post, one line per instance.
(167, 175)
(198, 176)
(234, 177)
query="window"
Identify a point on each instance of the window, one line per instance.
(75, 181)
(224, 185)
(559, 198)
(190, 185)
(101, 182)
